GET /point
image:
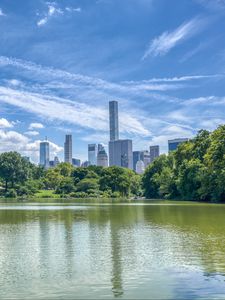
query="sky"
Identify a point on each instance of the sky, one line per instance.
(61, 62)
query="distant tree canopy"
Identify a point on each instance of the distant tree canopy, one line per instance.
(20, 177)
(195, 171)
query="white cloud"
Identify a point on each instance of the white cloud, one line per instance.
(36, 126)
(5, 123)
(179, 115)
(53, 10)
(64, 80)
(71, 9)
(168, 40)
(32, 133)
(56, 108)
(1, 13)
(15, 141)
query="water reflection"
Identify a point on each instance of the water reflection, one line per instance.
(113, 250)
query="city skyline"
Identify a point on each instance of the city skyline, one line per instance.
(156, 63)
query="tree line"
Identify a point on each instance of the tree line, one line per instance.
(18, 177)
(195, 171)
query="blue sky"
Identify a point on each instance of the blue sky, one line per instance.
(62, 61)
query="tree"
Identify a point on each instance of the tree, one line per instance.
(13, 169)
(87, 184)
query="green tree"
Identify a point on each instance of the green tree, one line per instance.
(13, 169)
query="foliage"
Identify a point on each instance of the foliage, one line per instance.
(195, 171)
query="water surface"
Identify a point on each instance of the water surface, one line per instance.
(152, 250)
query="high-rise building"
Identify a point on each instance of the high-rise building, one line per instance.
(92, 154)
(85, 164)
(145, 157)
(140, 167)
(76, 162)
(173, 144)
(136, 158)
(102, 157)
(113, 120)
(56, 161)
(154, 152)
(44, 154)
(68, 149)
(121, 154)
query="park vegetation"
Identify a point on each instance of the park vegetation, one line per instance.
(195, 171)
(20, 178)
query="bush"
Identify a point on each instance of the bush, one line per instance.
(11, 194)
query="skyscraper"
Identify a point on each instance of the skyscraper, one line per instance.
(102, 157)
(154, 152)
(113, 120)
(121, 154)
(173, 144)
(76, 162)
(68, 149)
(92, 154)
(140, 167)
(44, 154)
(136, 158)
(145, 157)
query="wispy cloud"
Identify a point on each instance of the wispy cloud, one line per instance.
(73, 112)
(32, 133)
(54, 10)
(168, 40)
(36, 126)
(66, 80)
(1, 13)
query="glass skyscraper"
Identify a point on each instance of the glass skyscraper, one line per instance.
(136, 158)
(173, 144)
(113, 121)
(92, 154)
(68, 149)
(121, 153)
(44, 154)
(154, 152)
(102, 157)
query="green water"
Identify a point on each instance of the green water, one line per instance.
(153, 250)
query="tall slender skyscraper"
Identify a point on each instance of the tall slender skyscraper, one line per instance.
(113, 121)
(44, 154)
(68, 149)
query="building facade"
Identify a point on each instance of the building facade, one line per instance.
(145, 157)
(113, 121)
(76, 162)
(68, 149)
(102, 157)
(154, 152)
(121, 153)
(173, 144)
(44, 154)
(136, 158)
(92, 154)
(140, 167)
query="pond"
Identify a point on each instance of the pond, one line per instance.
(143, 249)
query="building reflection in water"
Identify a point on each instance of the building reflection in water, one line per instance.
(116, 279)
